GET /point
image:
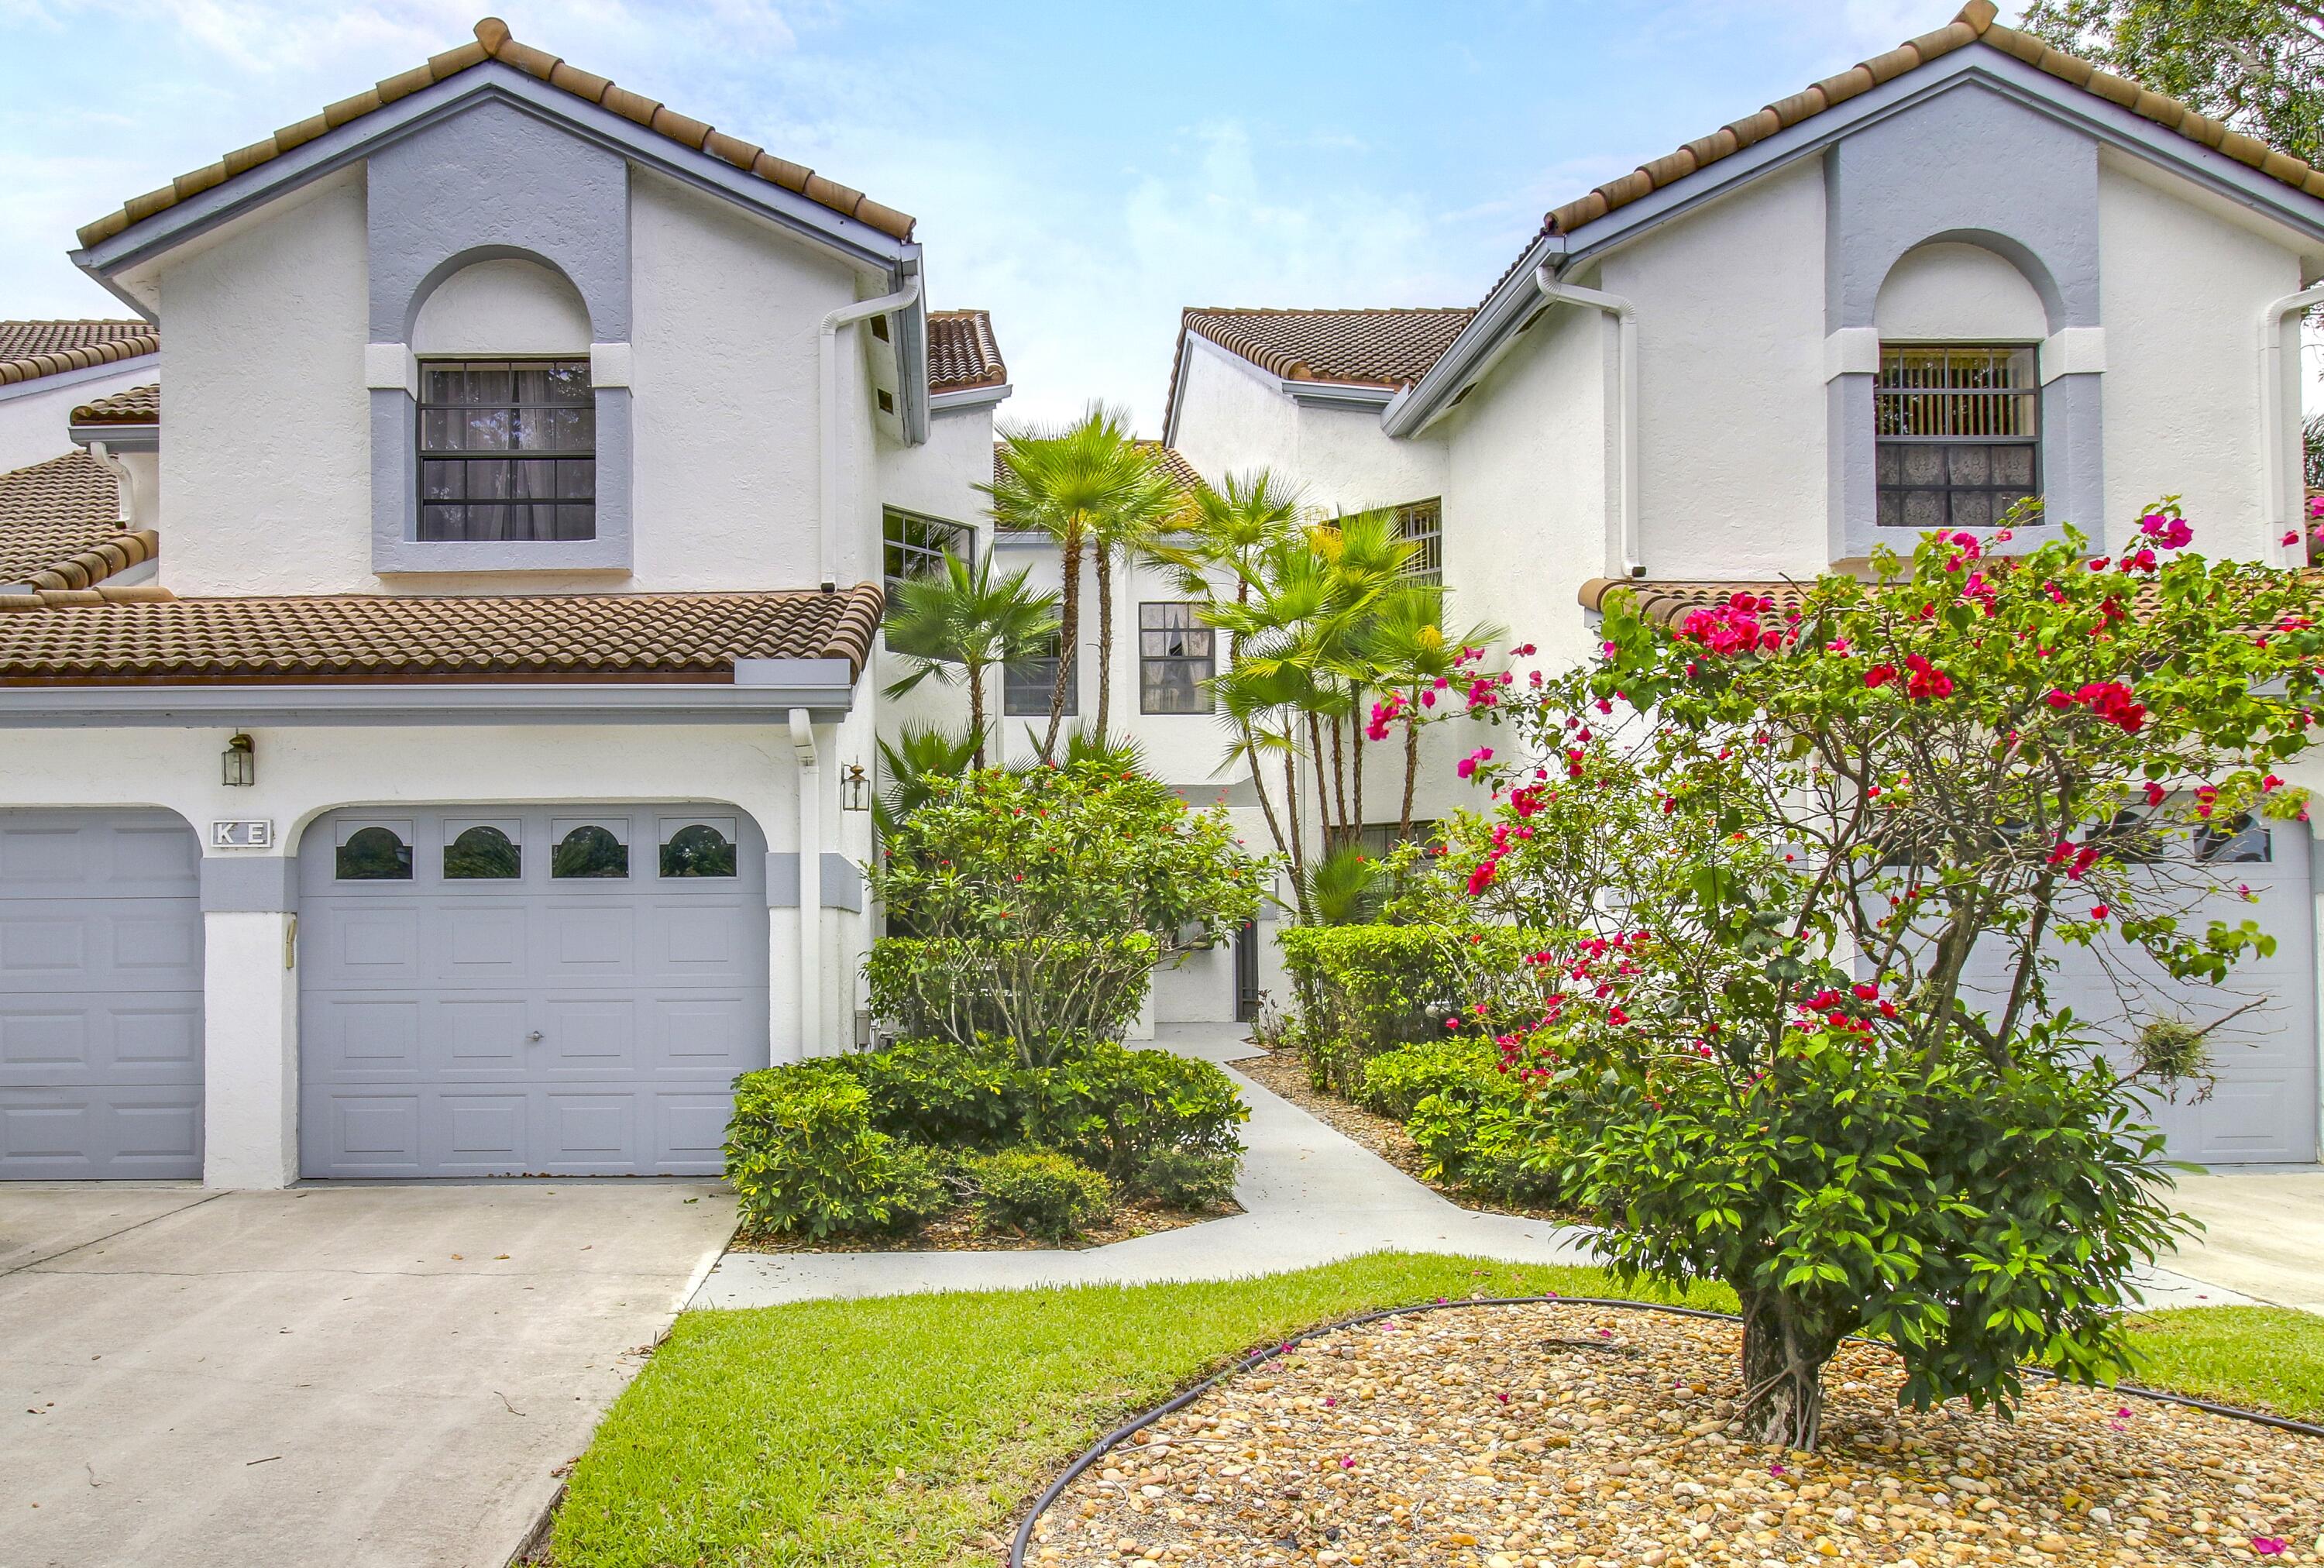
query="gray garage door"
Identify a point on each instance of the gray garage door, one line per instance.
(492, 990)
(100, 995)
(2264, 1110)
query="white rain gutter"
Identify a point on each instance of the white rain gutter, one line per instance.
(811, 885)
(826, 552)
(1626, 318)
(2279, 405)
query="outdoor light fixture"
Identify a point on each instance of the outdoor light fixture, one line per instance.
(854, 789)
(241, 761)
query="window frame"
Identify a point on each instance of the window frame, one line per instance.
(1422, 522)
(471, 459)
(1909, 404)
(1038, 673)
(963, 536)
(1206, 662)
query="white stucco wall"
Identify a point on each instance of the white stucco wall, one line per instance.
(725, 395)
(2182, 288)
(1233, 418)
(34, 414)
(267, 462)
(507, 306)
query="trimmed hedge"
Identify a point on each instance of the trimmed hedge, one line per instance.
(1363, 990)
(1475, 1124)
(865, 1143)
(1037, 1191)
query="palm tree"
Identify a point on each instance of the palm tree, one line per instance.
(1076, 484)
(963, 617)
(920, 754)
(1149, 503)
(1409, 652)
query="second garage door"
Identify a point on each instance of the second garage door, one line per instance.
(489, 990)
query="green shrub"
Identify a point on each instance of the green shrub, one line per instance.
(940, 1091)
(1039, 901)
(805, 1158)
(1037, 1191)
(1364, 989)
(1116, 1108)
(1395, 1082)
(1189, 1179)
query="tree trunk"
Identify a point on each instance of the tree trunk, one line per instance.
(1104, 640)
(1069, 631)
(1783, 1372)
(1347, 826)
(1291, 809)
(1411, 772)
(1356, 766)
(976, 713)
(1323, 784)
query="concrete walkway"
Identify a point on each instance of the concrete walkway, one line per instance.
(1311, 1196)
(2263, 1236)
(352, 1375)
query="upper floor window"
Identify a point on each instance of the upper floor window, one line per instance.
(915, 547)
(1958, 434)
(1175, 661)
(507, 449)
(1422, 524)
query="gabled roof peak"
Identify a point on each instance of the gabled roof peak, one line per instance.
(493, 42)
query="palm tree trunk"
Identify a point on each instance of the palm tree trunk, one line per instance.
(1104, 640)
(1298, 854)
(1340, 779)
(1411, 772)
(1069, 629)
(976, 713)
(1356, 746)
(1323, 783)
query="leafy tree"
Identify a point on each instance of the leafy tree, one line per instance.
(963, 617)
(2258, 65)
(1802, 1032)
(1085, 483)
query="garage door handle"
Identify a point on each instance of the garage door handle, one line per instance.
(534, 1035)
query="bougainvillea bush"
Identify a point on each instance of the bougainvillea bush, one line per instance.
(1816, 861)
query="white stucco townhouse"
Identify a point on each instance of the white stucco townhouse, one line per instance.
(1966, 270)
(440, 746)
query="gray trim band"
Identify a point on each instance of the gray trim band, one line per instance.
(117, 438)
(841, 879)
(249, 884)
(450, 703)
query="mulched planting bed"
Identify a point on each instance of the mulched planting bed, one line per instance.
(1519, 1436)
(958, 1232)
(1283, 1074)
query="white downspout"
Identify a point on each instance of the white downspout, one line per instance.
(1626, 318)
(2277, 412)
(826, 553)
(811, 885)
(124, 487)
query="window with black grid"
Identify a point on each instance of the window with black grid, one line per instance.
(1026, 683)
(1422, 524)
(915, 547)
(507, 450)
(1958, 434)
(1175, 660)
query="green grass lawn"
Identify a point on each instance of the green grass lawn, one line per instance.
(902, 1431)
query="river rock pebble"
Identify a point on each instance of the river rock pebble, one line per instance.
(1528, 1436)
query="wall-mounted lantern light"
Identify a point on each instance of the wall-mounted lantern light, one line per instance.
(240, 762)
(855, 789)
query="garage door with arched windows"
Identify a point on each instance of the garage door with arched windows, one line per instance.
(550, 990)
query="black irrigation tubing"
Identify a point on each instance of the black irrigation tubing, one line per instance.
(1098, 1449)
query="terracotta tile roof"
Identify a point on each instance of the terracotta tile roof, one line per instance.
(1364, 347)
(1174, 463)
(32, 349)
(1975, 24)
(961, 352)
(357, 637)
(493, 42)
(60, 525)
(140, 405)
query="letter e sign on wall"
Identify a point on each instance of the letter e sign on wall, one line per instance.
(248, 832)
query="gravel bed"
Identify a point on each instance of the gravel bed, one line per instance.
(1588, 1437)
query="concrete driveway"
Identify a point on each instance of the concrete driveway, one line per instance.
(351, 1375)
(2263, 1236)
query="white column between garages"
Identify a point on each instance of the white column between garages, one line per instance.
(250, 1049)
(811, 885)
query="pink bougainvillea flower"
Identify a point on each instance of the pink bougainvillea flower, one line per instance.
(1777, 1470)
(2097, 911)
(1468, 765)
(2290, 537)
(1879, 674)
(1346, 1463)
(2268, 1545)
(2155, 794)
(2170, 532)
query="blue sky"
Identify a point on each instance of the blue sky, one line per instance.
(1082, 169)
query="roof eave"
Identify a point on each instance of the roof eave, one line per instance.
(123, 435)
(954, 399)
(1474, 352)
(101, 705)
(351, 143)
